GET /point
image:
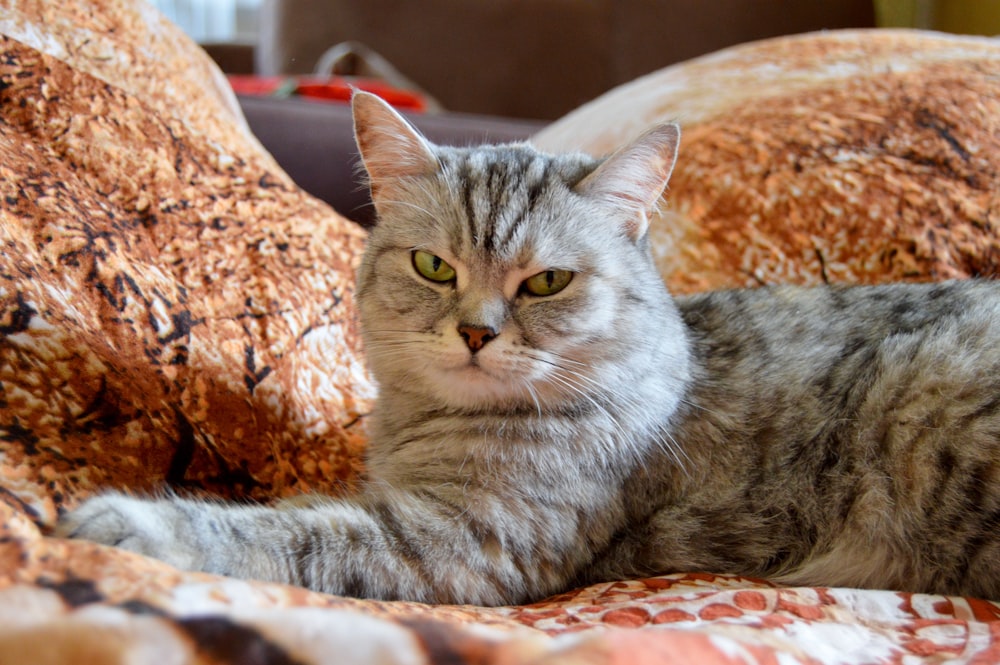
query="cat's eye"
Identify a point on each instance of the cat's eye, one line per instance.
(432, 267)
(548, 282)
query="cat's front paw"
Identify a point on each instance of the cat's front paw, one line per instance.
(155, 528)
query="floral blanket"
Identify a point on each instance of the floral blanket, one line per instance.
(176, 313)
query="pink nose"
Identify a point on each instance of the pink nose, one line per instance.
(476, 337)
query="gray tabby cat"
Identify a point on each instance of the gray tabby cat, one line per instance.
(549, 416)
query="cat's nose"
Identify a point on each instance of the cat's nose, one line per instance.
(476, 337)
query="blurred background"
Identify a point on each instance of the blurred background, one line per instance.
(535, 59)
(470, 71)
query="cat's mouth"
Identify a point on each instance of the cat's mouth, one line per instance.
(475, 370)
(490, 371)
(469, 361)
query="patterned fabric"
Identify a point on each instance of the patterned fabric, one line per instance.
(857, 156)
(175, 309)
(174, 312)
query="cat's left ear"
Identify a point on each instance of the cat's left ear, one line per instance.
(390, 146)
(635, 176)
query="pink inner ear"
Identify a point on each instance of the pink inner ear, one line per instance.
(635, 176)
(390, 147)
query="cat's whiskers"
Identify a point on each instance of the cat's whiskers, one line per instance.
(578, 390)
(387, 333)
(408, 204)
(565, 376)
(695, 405)
(673, 450)
(670, 448)
(563, 359)
(534, 397)
(393, 342)
(387, 344)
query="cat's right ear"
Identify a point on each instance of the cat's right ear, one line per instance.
(634, 177)
(390, 146)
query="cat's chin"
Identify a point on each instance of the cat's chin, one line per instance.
(473, 386)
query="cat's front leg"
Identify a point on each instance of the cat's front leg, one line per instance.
(157, 528)
(390, 545)
(241, 540)
(385, 544)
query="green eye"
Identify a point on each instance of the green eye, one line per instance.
(432, 267)
(548, 282)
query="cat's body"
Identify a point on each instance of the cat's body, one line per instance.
(550, 416)
(853, 438)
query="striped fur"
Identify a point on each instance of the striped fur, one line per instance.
(830, 436)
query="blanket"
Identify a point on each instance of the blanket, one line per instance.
(176, 313)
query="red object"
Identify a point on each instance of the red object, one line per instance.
(331, 89)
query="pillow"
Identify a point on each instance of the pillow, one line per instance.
(173, 309)
(850, 156)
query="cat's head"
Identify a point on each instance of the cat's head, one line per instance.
(502, 275)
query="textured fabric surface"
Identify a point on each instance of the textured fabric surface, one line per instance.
(859, 156)
(174, 312)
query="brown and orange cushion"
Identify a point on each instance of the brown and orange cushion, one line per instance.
(854, 156)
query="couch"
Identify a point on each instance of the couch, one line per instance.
(177, 313)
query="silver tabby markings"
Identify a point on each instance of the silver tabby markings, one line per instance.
(549, 416)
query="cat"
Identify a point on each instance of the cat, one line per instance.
(550, 416)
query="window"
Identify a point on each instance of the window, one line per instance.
(213, 21)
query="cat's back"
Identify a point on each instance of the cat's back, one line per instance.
(799, 358)
(870, 415)
(809, 329)
(792, 311)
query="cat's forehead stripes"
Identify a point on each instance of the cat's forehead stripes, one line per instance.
(499, 188)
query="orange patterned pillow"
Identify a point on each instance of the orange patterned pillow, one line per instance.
(846, 156)
(173, 309)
